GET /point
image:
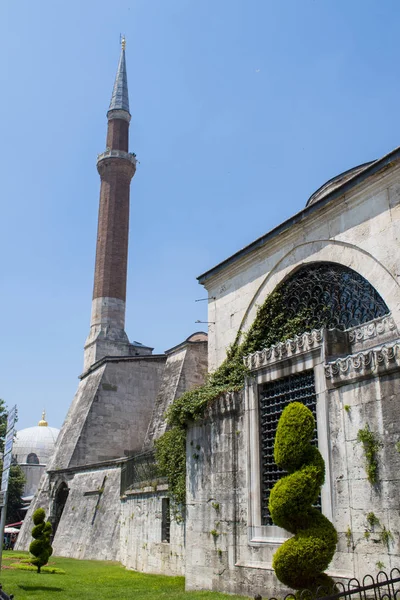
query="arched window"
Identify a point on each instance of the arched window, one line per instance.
(331, 295)
(32, 459)
(316, 295)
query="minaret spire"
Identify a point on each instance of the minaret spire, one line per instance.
(116, 167)
(120, 97)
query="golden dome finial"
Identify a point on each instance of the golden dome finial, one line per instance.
(43, 422)
(123, 42)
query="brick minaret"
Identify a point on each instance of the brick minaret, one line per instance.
(116, 167)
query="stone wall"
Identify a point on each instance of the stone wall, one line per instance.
(227, 548)
(375, 403)
(142, 546)
(186, 368)
(218, 554)
(90, 524)
(110, 413)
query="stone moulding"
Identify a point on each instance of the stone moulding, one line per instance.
(353, 366)
(372, 329)
(282, 350)
(117, 154)
(225, 405)
(376, 360)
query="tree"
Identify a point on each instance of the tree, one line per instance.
(15, 489)
(40, 548)
(17, 478)
(301, 561)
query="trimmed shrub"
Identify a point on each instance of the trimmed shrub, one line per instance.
(40, 548)
(301, 561)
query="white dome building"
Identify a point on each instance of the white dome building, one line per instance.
(32, 449)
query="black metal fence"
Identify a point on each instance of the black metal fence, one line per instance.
(3, 595)
(139, 470)
(383, 587)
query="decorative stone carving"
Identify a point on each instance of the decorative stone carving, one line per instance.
(372, 329)
(377, 359)
(282, 350)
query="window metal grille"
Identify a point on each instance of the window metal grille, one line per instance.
(331, 295)
(165, 520)
(273, 398)
(139, 469)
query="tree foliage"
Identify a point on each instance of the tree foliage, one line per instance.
(16, 481)
(40, 548)
(301, 561)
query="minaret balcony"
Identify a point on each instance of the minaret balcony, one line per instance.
(131, 156)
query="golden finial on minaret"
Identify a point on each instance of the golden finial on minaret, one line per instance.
(43, 422)
(123, 42)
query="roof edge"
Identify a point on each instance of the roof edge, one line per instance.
(348, 185)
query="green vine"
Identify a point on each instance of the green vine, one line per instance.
(386, 536)
(270, 326)
(349, 537)
(372, 520)
(371, 446)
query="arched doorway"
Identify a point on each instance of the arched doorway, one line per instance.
(60, 499)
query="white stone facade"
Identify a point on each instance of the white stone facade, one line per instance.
(357, 377)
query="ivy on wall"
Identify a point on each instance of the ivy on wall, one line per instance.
(270, 326)
(371, 446)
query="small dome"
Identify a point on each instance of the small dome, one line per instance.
(336, 182)
(35, 445)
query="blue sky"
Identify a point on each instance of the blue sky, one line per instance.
(240, 110)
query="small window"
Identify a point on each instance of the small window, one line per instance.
(165, 520)
(32, 459)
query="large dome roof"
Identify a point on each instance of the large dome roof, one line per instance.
(336, 182)
(35, 445)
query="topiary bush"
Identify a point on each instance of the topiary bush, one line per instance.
(301, 561)
(40, 548)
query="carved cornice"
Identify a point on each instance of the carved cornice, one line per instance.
(372, 361)
(372, 329)
(117, 154)
(383, 357)
(125, 162)
(225, 405)
(297, 345)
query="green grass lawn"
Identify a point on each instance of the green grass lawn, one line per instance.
(93, 580)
